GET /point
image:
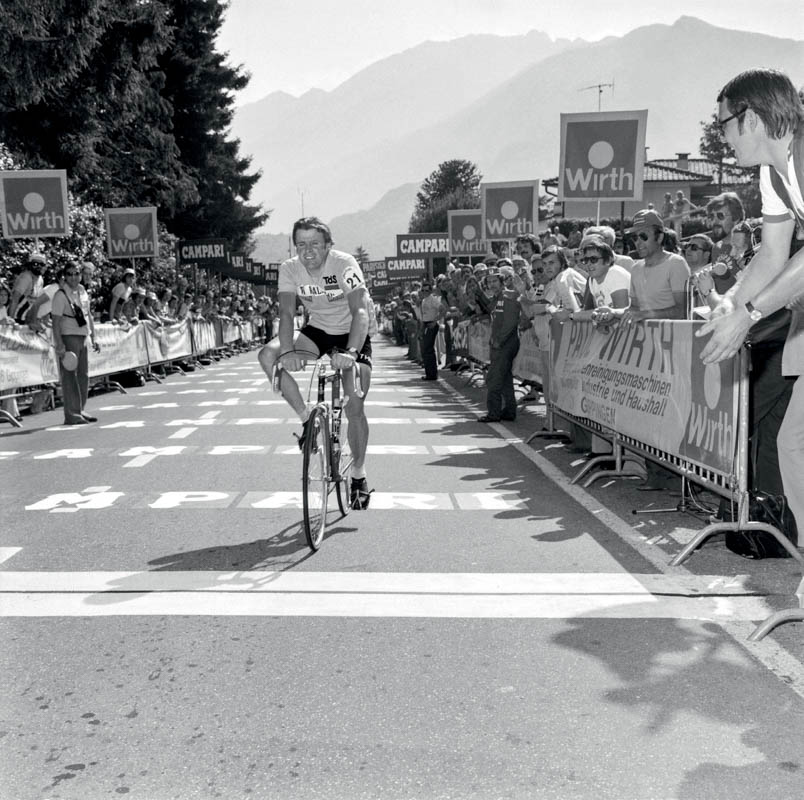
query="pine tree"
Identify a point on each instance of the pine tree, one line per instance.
(714, 147)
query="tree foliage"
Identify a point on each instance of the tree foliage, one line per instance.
(360, 254)
(714, 147)
(453, 185)
(133, 100)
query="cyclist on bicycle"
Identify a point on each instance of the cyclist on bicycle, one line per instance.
(331, 286)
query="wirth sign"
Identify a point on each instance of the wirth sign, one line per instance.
(465, 228)
(131, 232)
(34, 203)
(399, 269)
(602, 155)
(509, 209)
(421, 245)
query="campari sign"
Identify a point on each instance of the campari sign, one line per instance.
(131, 232)
(34, 203)
(602, 155)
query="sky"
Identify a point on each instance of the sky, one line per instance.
(296, 45)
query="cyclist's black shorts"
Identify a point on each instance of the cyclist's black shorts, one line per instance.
(327, 342)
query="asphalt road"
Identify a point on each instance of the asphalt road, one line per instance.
(484, 630)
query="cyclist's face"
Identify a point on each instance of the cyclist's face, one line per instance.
(312, 248)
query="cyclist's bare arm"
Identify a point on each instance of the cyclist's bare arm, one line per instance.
(358, 306)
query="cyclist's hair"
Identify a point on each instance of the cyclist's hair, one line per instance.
(772, 97)
(312, 224)
(535, 244)
(730, 199)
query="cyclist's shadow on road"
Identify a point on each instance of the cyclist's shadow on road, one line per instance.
(281, 552)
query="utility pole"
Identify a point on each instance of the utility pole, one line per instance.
(600, 87)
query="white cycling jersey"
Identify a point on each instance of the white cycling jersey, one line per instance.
(324, 297)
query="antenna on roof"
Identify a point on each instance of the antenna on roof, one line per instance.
(600, 87)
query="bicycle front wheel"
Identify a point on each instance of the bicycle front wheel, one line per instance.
(315, 478)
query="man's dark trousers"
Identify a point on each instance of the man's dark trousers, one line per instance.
(500, 397)
(429, 360)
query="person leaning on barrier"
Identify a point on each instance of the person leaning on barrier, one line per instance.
(504, 342)
(121, 292)
(608, 288)
(659, 277)
(27, 287)
(761, 116)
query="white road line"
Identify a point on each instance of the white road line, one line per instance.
(8, 552)
(182, 433)
(450, 595)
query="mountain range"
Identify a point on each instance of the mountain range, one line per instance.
(356, 155)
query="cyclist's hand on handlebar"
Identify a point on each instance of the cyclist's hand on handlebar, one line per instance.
(292, 362)
(342, 360)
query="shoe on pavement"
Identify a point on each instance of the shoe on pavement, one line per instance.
(89, 417)
(360, 494)
(425, 378)
(488, 418)
(76, 421)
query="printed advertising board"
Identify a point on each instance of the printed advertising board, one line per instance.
(509, 209)
(405, 269)
(34, 203)
(206, 253)
(465, 233)
(647, 381)
(421, 245)
(131, 232)
(602, 155)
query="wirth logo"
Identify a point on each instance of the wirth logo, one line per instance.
(131, 232)
(466, 233)
(34, 203)
(602, 158)
(509, 209)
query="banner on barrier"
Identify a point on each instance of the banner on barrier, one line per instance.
(460, 338)
(121, 349)
(167, 342)
(647, 381)
(478, 335)
(528, 364)
(204, 336)
(26, 358)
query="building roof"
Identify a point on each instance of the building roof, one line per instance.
(732, 175)
(700, 171)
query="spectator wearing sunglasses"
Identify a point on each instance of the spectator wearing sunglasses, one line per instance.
(761, 116)
(723, 213)
(608, 289)
(609, 236)
(659, 278)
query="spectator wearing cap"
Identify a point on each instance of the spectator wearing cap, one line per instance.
(504, 343)
(27, 287)
(431, 313)
(72, 326)
(121, 292)
(659, 278)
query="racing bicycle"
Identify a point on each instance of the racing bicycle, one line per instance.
(326, 455)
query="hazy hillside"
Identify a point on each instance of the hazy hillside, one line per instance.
(512, 130)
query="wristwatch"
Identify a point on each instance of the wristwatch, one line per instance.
(754, 313)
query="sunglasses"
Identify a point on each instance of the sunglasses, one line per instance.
(721, 215)
(643, 237)
(721, 123)
(72, 272)
(695, 247)
(591, 260)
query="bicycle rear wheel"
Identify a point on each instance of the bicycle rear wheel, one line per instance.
(315, 477)
(343, 478)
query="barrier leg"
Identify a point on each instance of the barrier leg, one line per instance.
(549, 431)
(4, 415)
(619, 460)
